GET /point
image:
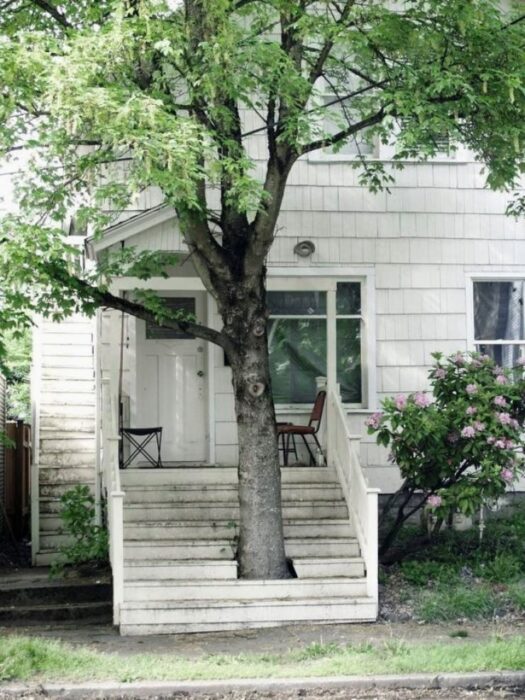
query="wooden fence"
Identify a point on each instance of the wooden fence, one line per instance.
(17, 485)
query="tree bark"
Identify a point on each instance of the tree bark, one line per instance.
(261, 552)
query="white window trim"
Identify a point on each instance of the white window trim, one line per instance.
(386, 152)
(319, 278)
(472, 277)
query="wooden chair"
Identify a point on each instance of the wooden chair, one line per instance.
(286, 432)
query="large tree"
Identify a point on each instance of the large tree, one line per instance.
(165, 87)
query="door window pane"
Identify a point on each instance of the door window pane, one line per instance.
(348, 300)
(296, 303)
(297, 356)
(498, 310)
(349, 359)
(182, 307)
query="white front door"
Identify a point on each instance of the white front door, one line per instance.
(171, 384)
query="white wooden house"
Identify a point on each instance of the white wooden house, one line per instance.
(433, 265)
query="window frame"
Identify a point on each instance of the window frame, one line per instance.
(472, 278)
(315, 279)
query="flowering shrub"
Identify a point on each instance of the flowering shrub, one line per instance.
(460, 445)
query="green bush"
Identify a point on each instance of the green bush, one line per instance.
(90, 541)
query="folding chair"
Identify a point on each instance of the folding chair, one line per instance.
(139, 446)
(286, 432)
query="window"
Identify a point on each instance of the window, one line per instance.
(442, 141)
(499, 321)
(300, 324)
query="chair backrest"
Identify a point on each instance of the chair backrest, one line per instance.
(317, 410)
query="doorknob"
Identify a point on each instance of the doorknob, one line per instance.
(200, 373)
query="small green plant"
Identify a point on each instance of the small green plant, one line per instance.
(459, 634)
(421, 573)
(90, 541)
(503, 568)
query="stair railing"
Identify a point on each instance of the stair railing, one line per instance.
(114, 494)
(343, 455)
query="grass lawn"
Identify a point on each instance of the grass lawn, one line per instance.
(24, 659)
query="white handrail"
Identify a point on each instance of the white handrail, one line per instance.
(115, 496)
(362, 500)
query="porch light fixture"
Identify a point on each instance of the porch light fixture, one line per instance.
(304, 249)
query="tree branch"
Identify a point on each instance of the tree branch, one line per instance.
(54, 12)
(318, 66)
(344, 133)
(139, 311)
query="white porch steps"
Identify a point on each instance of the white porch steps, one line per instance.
(180, 529)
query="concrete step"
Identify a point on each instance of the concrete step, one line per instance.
(219, 475)
(184, 530)
(328, 567)
(201, 512)
(191, 591)
(209, 616)
(21, 615)
(175, 569)
(226, 493)
(225, 549)
(27, 593)
(324, 547)
(187, 550)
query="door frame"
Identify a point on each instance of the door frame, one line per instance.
(176, 286)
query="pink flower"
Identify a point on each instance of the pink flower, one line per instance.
(515, 424)
(479, 426)
(471, 410)
(458, 359)
(500, 444)
(509, 444)
(471, 389)
(500, 401)
(421, 399)
(374, 421)
(501, 379)
(491, 440)
(434, 501)
(400, 401)
(440, 373)
(468, 432)
(507, 474)
(497, 370)
(504, 418)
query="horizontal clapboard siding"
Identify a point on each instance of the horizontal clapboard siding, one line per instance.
(66, 420)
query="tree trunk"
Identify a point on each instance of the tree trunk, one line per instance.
(261, 543)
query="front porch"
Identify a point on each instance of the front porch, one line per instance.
(173, 538)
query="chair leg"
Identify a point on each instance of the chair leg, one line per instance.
(294, 444)
(312, 458)
(285, 450)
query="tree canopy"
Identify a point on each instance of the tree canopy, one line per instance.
(164, 88)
